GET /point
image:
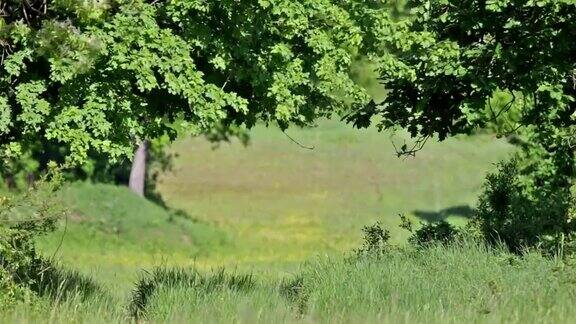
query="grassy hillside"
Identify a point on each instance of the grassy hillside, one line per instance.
(111, 234)
(270, 205)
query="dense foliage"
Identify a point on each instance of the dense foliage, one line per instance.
(445, 62)
(521, 214)
(22, 218)
(452, 67)
(97, 76)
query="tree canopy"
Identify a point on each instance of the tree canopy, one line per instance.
(95, 76)
(446, 60)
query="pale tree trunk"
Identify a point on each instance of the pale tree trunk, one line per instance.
(138, 172)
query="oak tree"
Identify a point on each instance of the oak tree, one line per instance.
(103, 76)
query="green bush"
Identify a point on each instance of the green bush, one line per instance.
(440, 232)
(375, 242)
(376, 238)
(22, 218)
(524, 207)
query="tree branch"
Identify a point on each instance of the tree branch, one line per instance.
(298, 143)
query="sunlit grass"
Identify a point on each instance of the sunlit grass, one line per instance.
(464, 283)
(279, 201)
(262, 210)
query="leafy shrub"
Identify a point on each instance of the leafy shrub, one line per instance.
(525, 205)
(375, 242)
(22, 218)
(440, 232)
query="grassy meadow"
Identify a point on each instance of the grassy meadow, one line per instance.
(273, 204)
(280, 203)
(465, 283)
(321, 224)
(264, 233)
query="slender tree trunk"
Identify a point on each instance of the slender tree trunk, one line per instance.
(10, 182)
(30, 179)
(138, 172)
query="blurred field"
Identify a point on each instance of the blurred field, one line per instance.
(269, 206)
(280, 203)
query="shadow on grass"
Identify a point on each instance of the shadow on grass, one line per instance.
(154, 196)
(464, 211)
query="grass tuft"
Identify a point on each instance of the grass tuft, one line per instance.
(59, 283)
(182, 278)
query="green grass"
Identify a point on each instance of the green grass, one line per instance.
(111, 234)
(282, 204)
(465, 283)
(462, 284)
(271, 205)
(267, 209)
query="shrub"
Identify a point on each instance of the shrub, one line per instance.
(523, 207)
(440, 232)
(375, 242)
(22, 218)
